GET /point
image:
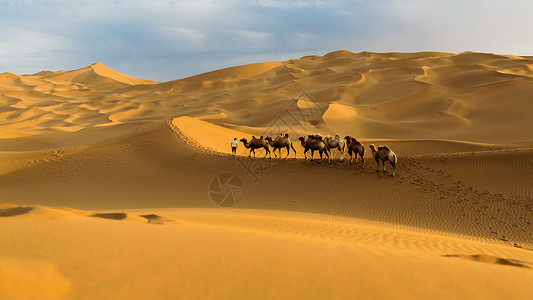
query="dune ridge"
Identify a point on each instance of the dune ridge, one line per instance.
(394, 95)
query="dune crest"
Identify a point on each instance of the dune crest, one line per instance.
(396, 95)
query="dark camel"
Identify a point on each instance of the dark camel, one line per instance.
(314, 142)
(356, 147)
(256, 143)
(281, 142)
(384, 153)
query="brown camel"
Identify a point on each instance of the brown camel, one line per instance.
(256, 143)
(384, 153)
(281, 142)
(314, 142)
(356, 147)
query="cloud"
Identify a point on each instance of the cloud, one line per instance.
(168, 39)
(27, 48)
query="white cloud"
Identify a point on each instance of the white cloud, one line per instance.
(30, 50)
(289, 3)
(185, 38)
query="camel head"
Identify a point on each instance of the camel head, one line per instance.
(348, 138)
(302, 139)
(372, 147)
(243, 140)
(268, 138)
(286, 135)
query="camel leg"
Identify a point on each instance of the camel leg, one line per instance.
(342, 154)
(312, 154)
(269, 154)
(362, 159)
(293, 150)
(305, 154)
(393, 168)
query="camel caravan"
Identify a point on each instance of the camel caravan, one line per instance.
(324, 146)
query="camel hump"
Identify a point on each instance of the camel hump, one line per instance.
(315, 136)
(380, 147)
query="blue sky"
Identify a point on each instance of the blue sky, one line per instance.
(171, 39)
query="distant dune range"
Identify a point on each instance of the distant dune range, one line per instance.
(468, 96)
(105, 178)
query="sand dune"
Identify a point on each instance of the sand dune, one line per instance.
(107, 181)
(304, 253)
(398, 95)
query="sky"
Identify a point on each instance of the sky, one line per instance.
(171, 39)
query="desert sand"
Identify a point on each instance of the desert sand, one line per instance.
(114, 187)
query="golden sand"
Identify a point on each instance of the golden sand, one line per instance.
(106, 181)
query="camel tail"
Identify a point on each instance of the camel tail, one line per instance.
(393, 159)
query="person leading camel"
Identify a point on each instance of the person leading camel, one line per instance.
(234, 147)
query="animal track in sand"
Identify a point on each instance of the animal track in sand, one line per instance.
(489, 211)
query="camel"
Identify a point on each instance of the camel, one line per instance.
(384, 153)
(281, 142)
(256, 143)
(333, 142)
(314, 142)
(356, 147)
